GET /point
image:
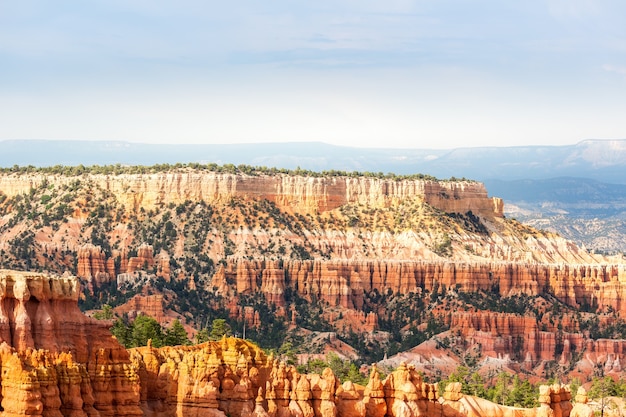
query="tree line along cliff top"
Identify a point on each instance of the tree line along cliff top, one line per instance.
(119, 169)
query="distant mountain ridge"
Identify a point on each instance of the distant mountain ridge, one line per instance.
(586, 211)
(601, 160)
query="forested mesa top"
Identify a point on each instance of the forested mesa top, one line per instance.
(119, 169)
(298, 191)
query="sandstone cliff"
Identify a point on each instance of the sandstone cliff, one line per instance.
(294, 193)
(55, 218)
(345, 283)
(57, 362)
(370, 254)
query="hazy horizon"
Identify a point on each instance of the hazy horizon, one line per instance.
(321, 142)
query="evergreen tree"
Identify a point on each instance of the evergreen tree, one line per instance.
(176, 335)
(524, 394)
(345, 370)
(105, 314)
(122, 332)
(202, 336)
(219, 328)
(460, 375)
(145, 328)
(500, 392)
(476, 385)
(288, 353)
(601, 389)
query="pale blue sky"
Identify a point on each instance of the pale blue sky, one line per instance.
(393, 73)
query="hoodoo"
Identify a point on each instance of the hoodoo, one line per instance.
(57, 362)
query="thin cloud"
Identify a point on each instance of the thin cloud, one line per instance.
(615, 69)
(573, 9)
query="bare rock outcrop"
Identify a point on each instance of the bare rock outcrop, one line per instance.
(208, 379)
(55, 360)
(92, 265)
(502, 335)
(343, 282)
(143, 261)
(293, 193)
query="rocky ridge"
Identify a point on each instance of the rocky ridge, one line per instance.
(56, 361)
(345, 283)
(97, 377)
(299, 194)
(381, 255)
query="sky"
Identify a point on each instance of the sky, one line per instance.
(370, 73)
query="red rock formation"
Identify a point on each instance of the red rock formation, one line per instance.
(92, 265)
(273, 283)
(143, 261)
(503, 335)
(55, 360)
(292, 193)
(162, 261)
(355, 320)
(342, 283)
(194, 381)
(151, 305)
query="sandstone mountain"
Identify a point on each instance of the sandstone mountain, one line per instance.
(57, 362)
(576, 190)
(383, 263)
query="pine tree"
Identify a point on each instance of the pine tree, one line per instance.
(176, 335)
(202, 336)
(601, 389)
(146, 328)
(122, 332)
(219, 328)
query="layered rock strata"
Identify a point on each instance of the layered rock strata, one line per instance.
(504, 335)
(56, 362)
(294, 193)
(343, 283)
(97, 269)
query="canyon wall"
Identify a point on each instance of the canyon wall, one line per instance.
(526, 340)
(292, 193)
(344, 283)
(503, 335)
(56, 362)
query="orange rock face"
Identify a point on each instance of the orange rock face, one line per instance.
(151, 305)
(93, 266)
(505, 335)
(56, 362)
(294, 193)
(342, 286)
(143, 261)
(343, 283)
(97, 269)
